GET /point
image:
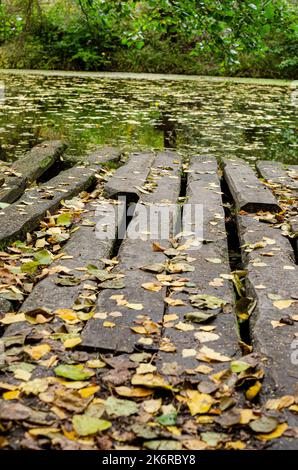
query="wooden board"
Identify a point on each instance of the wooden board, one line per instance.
(248, 192)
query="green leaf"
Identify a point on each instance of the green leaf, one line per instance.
(167, 420)
(264, 425)
(30, 267)
(239, 366)
(73, 372)
(117, 407)
(64, 219)
(84, 425)
(43, 257)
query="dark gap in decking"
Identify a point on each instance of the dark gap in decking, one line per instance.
(234, 250)
(130, 200)
(177, 227)
(53, 171)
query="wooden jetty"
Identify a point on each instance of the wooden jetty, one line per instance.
(164, 311)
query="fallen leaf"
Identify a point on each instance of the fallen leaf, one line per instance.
(278, 432)
(73, 372)
(209, 354)
(198, 403)
(264, 424)
(119, 407)
(283, 304)
(85, 425)
(253, 391)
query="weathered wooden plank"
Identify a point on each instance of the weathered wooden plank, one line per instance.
(210, 261)
(84, 248)
(277, 173)
(248, 192)
(272, 276)
(131, 176)
(134, 253)
(29, 168)
(25, 214)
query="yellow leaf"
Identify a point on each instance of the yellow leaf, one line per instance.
(11, 318)
(71, 343)
(294, 408)
(152, 286)
(43, 431)
(170, 317)
(109, 324)
(140, 330)
(253, 391)
(68, 315)
(246, 415)
(236, 445)
(282, 304)
(96, 364)
(13, 395)
(281, 428)
(135, 392)
(89, 391)
(203, 369)
(37, 352)
(198, 403)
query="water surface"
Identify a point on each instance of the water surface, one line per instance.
(248, 120)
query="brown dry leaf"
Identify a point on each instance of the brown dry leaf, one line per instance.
(11, 318)
(170, 317)
(167, 346)
(140, 330)
(135, 392)
(151, 381)
(174, 302)
(157, 247)
(280, 403)
(72, 343)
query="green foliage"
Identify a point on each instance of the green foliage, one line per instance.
(190, 36)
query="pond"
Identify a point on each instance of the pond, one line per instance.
(248, 120)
